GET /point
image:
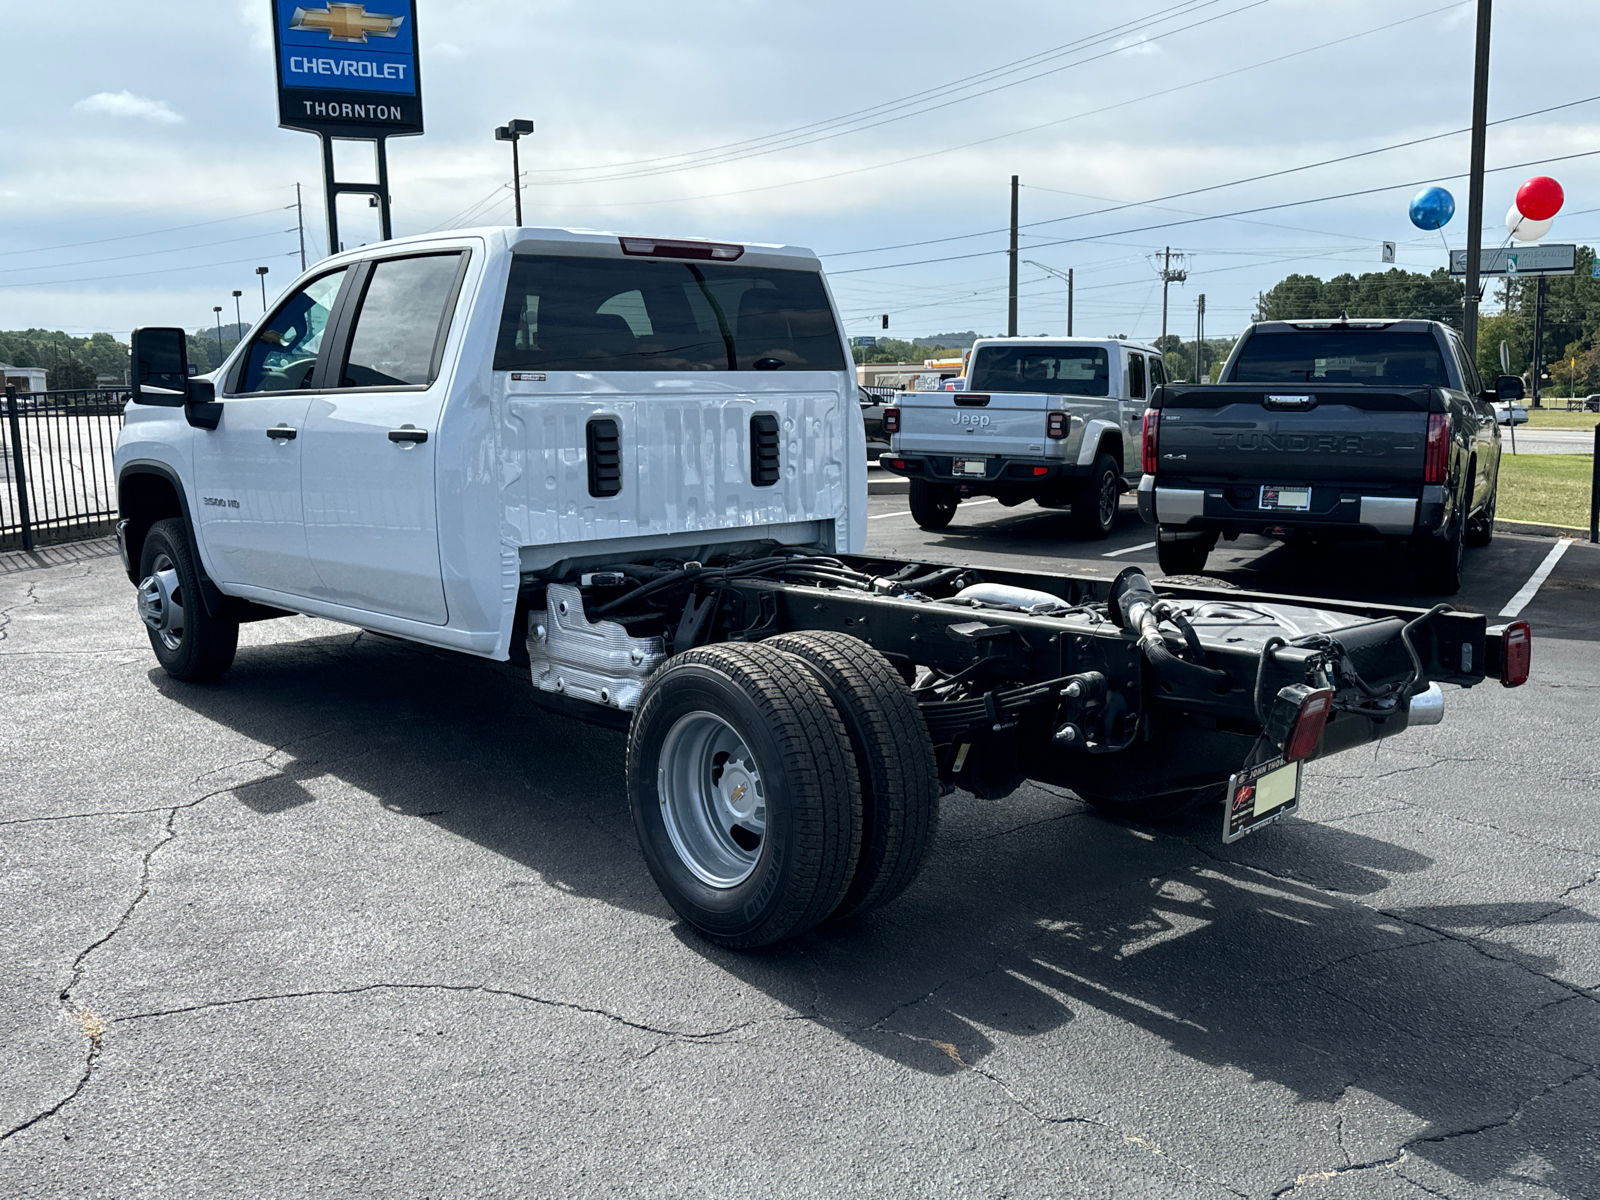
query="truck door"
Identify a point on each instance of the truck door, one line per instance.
(1133, 404)
(369, 448)
(247, 469)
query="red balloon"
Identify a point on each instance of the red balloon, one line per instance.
(1540, 198)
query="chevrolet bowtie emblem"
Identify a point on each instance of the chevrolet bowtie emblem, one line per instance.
(345, 22)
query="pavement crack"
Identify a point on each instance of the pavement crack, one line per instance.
(1377, 1164)
(680, 1035)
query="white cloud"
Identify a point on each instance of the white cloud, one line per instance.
(126, 104)
(1138, 45)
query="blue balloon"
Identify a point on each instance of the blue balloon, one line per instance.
(1432, 208)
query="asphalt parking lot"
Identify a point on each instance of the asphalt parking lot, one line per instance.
(361, 920)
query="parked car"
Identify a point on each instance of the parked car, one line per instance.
(872, 406)
(1054, 420)
(1592, 404)
(1329, 429)
(1510, 413)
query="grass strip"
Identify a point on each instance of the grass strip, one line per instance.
(1548, 489)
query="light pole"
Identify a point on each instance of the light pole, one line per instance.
(1066, 276)
(510, 132)
(217, 308)
(261, 273)
(238, 319)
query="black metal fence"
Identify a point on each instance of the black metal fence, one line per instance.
(56, 481)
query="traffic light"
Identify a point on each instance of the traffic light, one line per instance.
(886, 320)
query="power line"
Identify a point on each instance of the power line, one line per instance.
(138, 274)
(149, 233)
(1031, 128)
(796, 142)
(143, 253)
(1223, 216)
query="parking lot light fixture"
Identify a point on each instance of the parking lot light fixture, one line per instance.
(217, 308)
(511, 132)
(261, 274)
(238, 319)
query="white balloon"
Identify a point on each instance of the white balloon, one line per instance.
(1523, 229)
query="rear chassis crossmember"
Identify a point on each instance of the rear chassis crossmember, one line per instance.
(1071, 699)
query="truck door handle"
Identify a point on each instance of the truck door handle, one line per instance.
(408, 433)
(282, 433)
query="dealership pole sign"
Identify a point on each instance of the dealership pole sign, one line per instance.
(347, 71)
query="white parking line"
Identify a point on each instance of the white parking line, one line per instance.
(1129, 550)
(964, 504)
(1520, 601)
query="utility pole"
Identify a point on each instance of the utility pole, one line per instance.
(1168, 277)
(1480, 120)
(1538, 343)
(300, 222)
(1069, 301)
(1199, 334)
(1011, 298)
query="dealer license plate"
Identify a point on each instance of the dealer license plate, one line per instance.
(1259, 795)
(1293, 499)
(972, 466)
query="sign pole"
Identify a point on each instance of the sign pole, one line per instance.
(1480, 121)
(330, 193)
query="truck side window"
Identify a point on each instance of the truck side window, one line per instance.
(284, 353)
(1135, 377)
(1158, 373)
(402, 321)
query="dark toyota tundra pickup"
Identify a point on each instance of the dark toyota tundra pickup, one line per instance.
(1328, 429)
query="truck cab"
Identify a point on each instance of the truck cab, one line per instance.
(1054, 420)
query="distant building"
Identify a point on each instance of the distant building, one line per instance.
(24, 379)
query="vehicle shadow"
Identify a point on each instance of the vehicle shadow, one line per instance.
(1031, 918)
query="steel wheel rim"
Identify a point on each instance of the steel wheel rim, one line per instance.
(160, 601)
(713, 801)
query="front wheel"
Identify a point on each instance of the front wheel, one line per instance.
(744, 793)
(1094, 507)
(189, 643)
(933, 506)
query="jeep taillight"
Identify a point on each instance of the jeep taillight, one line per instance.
(1516, 654)
(1152, 427)
(1055, 425)
(891, 420)
(1436, 457)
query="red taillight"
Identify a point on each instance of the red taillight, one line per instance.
(891, 420)
(1516, 654)
(1055, 425)
(1152, 427)
(1308, 725)
(1041, 470)
(666, 248)
(1436, 458)
(899, 464)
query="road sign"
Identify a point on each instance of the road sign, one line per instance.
(863, 341)
(1388, 252)
(347, 71)
(1594, 269)
(1523, 260)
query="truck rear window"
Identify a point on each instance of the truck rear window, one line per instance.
(1054, 370)
(596, 314)
(1340, 356)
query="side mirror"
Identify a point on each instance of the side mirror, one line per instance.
(160, 367)
(162, 376)
(1508, 387)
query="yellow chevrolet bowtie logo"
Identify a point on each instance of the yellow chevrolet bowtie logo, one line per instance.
(345, 22)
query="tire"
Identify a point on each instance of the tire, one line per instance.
(1155, 810)
(189, 643)
(772, 856)
(933, 505)
(1441, 560)
(1094, 505)
(1481, 531)
(1184, 556)
(894, 759)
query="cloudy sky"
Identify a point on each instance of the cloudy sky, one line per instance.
(144, 177)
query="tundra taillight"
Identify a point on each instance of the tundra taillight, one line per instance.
(891, 420)
(1436, 456)
(1309, 723)
(1152, 428)
(1055, 425)
(1516, 654)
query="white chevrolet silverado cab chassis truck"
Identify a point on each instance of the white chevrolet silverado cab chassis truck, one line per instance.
(634, 468)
